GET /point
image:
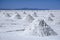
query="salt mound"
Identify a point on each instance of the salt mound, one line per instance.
(35, 14)
(40, 28)
(51, 17)
(7, 15)
(17, 16)
(28, 18)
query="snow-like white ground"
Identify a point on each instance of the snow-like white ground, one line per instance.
(29, 24)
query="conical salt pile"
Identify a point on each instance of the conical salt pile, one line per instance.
(7, 15)
(17, 16)
(35, 14)
(51, 17)
(40, 28)
(28, 18)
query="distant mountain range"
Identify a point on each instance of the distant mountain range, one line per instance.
(23, 9)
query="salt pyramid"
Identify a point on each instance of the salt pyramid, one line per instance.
(17, 16)
(7, 15)
(24, 12)
(40, 28)
(50, 17)
(29, 18)
(35, 14)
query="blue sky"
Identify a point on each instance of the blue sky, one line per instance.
(41, 4)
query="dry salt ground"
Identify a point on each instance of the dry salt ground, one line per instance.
(29, 24)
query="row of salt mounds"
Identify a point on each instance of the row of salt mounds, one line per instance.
(12, 16)
(39, 28)
(25, 22)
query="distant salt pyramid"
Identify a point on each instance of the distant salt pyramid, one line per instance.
(50, 17)
(24, 12)
(17, 16)
(29, 18)
(7, 15)
(35, 14)
(40, 28)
